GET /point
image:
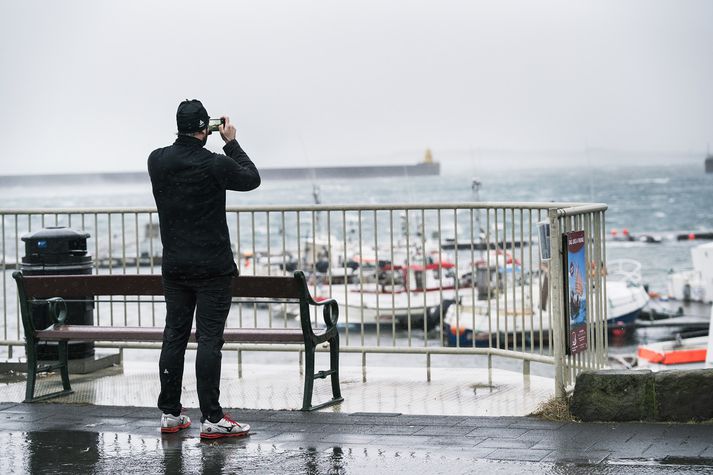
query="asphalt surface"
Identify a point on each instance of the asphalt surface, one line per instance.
(73, 438)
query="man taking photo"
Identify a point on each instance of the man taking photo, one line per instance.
(189, 184)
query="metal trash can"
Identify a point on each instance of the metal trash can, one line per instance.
(60, 251)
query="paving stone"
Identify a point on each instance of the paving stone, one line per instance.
(532, 423)
(560, 441)
(635, 448)
(691, 430)
(496, 443)
(445, 421)
(23, 416)
(470, 453)
(403, 441)
(662, 449)
(488, 421)
(441, 430)
(496, 432)
(287, 427)
(524, 455)
(539, 435)
(155, 422)
(107, 422)
(448, 441)
(383, 430)
(281, 416)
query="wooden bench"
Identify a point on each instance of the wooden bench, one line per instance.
(54, 291)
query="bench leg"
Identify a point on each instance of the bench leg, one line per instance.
(309, 379)
(31, 350)
(62, 365)
(334, 367)
(63, 360)
(333, 372)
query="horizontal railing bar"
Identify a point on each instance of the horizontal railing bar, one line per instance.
(581, 209)
(343, 349)
(12, 342)
(355, 349)
(335, 207)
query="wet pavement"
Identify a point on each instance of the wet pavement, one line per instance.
(453, 390)
(72, 438)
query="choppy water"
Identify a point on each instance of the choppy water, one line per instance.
(644, 200)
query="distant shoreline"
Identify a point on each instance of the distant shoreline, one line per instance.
(295, 173)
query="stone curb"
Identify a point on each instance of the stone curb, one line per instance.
(642, 395)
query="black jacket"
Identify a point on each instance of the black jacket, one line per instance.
(189, 184)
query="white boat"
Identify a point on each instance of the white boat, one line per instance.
(403, 295)
(696, 284)
(517, 316)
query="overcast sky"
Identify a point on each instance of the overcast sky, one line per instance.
(94, 85)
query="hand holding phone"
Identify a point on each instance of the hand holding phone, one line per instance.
(226, 129)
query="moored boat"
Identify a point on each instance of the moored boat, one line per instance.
(522, 315)
(680, 353)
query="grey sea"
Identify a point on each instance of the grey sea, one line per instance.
(659, 201)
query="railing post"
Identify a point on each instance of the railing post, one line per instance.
(556, 294)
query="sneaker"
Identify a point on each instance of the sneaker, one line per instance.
(171, 423)
(226, 427)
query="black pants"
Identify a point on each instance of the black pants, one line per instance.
(210, 299)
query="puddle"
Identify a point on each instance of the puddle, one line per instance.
(109, 452)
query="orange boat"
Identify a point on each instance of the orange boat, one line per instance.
(696, 352)
(686, 351)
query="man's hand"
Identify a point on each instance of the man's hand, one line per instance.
(227, 130)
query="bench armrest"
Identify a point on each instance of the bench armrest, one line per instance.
(330, 312)
(57, 310)
(330, 307)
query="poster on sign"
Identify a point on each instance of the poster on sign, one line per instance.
(575, 288)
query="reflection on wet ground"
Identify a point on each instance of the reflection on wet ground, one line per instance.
(451, 391)
(109, 452)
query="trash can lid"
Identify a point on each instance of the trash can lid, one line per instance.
(55, 233)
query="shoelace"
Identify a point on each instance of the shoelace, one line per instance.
(229, 418)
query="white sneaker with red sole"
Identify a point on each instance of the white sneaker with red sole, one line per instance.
(226, 427)
(171, 423)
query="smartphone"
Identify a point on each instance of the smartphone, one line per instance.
(213, 124)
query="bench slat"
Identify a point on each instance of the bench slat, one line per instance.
(104, 333)
(78, 286)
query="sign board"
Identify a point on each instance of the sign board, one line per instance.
(575, 288)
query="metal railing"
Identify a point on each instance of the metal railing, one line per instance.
(427, 279)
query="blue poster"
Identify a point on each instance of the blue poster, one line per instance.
(576, 292)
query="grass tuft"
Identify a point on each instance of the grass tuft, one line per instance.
(555, 409)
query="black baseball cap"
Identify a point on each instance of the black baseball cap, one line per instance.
(191, 116)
